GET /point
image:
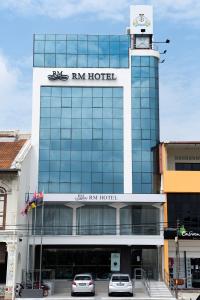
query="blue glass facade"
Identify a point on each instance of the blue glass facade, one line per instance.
(81, 140)
(145, 122)
(82, 51)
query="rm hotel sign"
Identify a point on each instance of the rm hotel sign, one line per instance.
(59, 75)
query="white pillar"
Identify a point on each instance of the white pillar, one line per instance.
(118, 206)
(11, 269)
(74, 207)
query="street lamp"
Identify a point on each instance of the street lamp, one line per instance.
(164, 52)
(165, 42)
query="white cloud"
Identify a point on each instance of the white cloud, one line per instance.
(178, 10)
(15, 97)
(185, 10)
(66, 8)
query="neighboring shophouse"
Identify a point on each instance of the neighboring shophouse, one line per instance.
(180, 169)
(14, 183)
(95, 151)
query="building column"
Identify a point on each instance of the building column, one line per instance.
(118, 206)
(11, 269)
(74, 222)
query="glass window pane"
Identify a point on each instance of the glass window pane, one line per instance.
(61, 60)
(61, 47)
(39, 46)
(72, 47)
(50, 47)
(38, 60)
(71, 61)
(82, 61)
(92, 61)
(50, 60)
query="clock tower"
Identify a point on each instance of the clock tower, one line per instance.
(141, 26)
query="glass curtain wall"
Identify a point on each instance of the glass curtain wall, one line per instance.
(145, 123)
(81, 51)
(81, 140)
(139, 220)
(96, 220)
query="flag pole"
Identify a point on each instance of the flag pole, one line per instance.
(33, 252)
(28, 253)
(41, 240)
(27, 244)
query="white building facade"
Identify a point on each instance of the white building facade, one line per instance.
(14, 183)
(94, 140)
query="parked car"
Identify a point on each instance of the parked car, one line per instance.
(83, 283)
(120, 283)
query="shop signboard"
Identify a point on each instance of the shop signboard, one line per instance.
(182, 233)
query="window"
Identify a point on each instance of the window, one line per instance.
(187, 166)
(57, 220)
(98, 219)
(3, 198)
(139, 220)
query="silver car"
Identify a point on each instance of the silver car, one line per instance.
(120, 283)
(83, 283)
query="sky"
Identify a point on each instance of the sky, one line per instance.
(177, 20)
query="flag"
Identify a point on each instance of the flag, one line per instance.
(40, 197)
(33, 205)
(35, 201)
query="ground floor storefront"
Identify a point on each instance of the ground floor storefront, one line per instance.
(101, 260)
(187, 264)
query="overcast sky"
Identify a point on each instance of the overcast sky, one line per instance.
(178, 20)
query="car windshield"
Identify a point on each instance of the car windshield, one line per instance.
(83, 277)
(120, 278)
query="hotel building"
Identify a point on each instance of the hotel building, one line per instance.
(95, 138)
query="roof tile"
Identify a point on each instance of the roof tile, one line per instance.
(8, 152)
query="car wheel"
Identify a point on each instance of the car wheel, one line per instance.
(109, 294)
(72, 294)
(93, 294)
(131, 294)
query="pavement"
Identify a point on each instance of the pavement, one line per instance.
(102, 294)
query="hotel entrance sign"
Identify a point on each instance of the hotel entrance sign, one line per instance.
(59, 75)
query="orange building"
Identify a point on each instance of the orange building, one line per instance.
(180, 181)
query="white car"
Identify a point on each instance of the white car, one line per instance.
(83, 283)
(120, 283)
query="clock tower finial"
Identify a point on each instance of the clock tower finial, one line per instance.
(141, 26)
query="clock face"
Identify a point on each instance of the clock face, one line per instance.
(142, 42)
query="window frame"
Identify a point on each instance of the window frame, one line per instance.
(3, 193)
